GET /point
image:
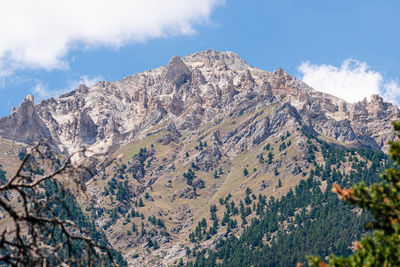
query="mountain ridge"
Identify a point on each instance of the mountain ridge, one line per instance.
(200, 87)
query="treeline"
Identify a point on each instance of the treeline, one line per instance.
(66, 208)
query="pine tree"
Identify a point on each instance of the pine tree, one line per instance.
(216, 174)
(382, 200)
(245, 172)
(141, 204)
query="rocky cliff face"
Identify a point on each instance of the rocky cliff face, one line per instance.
(24, 124)
(200, 89)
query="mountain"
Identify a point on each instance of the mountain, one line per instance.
(169, 143)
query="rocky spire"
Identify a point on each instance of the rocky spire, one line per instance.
(24, 124)
(177, 72)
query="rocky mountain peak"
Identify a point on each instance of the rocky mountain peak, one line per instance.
(27, 107)
(279, 72)
(199, 90)
(29, 98)
(376, 98)
(283, 84)
(216, 59)
(24, 124)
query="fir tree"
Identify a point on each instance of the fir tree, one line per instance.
(245, 172)
(140, 204)
(216, 174)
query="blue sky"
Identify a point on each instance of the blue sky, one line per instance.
(346, 48)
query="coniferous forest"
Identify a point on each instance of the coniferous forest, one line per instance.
(309, 220)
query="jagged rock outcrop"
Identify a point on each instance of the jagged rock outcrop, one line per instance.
(24, 124)
(285, 114)
(177, 73)
(173, 135)
(208, 159)
(136, 165)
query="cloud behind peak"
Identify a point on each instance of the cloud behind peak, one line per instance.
(352, 81)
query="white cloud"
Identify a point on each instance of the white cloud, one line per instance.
(391, 92)
(39, 33)
(88, 81)
(352, 81)
(41, 91)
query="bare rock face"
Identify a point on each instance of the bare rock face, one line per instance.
(208, 159)
(24, 124)
(340, 130)
(172, 136)
(87, 128)
(177, 73)
(199, 90)
(285, 114)
(136, 164)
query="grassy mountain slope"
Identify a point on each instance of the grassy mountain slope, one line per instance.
(150, 178)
